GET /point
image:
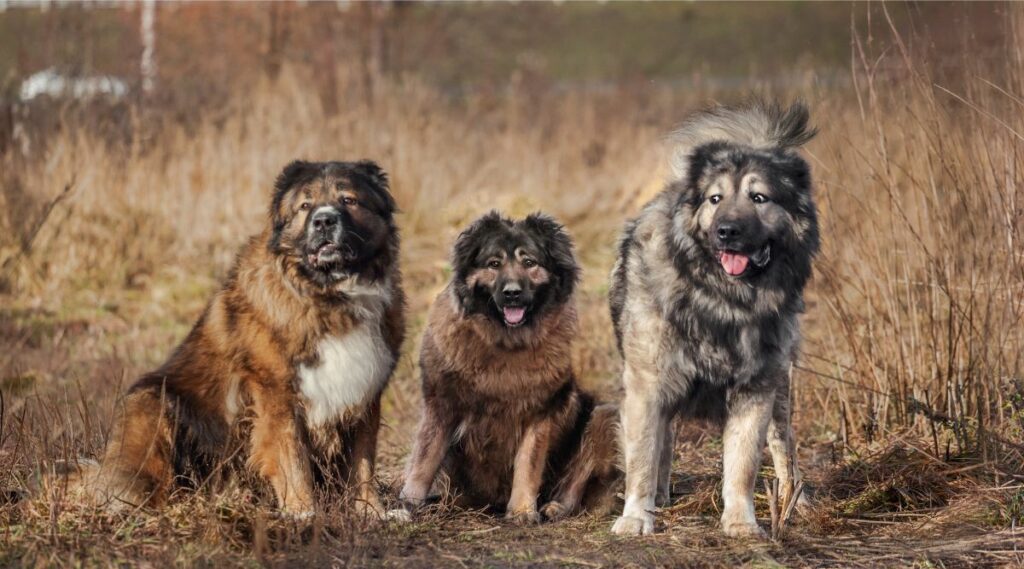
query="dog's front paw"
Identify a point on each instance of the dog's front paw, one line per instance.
(297, 516)
(554, 510)
(630, 525)
(743, 529)
(400, 515)
(524, 517)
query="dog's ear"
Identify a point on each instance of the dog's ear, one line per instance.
(292, 174)
(468, 243)
(375, 176)
(559, 249)
(373, 173)
(791, 180)
(467, 247)
(702, 159)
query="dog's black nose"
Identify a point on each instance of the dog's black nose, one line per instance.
(728, 231)
(325, 219)
(512, 291)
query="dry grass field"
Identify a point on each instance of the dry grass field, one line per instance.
(909, 392)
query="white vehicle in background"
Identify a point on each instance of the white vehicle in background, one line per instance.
(52, 83)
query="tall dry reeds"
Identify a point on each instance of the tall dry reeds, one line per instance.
(110, 244)
(920, 297)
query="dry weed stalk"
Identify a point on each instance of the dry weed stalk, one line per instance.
(782, 512)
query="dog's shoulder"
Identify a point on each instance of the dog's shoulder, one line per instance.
(645, 260)
(646, 241)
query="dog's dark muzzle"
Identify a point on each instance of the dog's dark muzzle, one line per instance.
(324, 232)
(325, 220)
(740, 244)
(513, 301)
(738, 235)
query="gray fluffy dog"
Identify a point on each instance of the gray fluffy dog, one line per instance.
(705, 299)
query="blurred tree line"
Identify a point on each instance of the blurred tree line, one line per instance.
(205, 53)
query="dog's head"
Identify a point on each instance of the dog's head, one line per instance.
(333, 219)
(749, 208)
(513, 272)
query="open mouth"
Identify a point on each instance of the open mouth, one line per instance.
(736, 263)
(324, 254)
(514, 315)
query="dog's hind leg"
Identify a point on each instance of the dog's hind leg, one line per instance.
(433, 439)
(570, 490)
(743, 443)
(136, 467)
(591, 470)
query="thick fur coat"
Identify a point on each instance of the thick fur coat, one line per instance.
(705, 298)
(503, 417)
(281, 376)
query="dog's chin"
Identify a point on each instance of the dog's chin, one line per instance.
(328, 259)
(738, 264)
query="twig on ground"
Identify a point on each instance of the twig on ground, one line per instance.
(781, 513)
(772, 488)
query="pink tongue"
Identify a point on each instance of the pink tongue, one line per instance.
(734, 263)
(514, 315)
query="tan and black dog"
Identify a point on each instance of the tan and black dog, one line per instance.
(286, 366)
(503, 416)
(705, 298)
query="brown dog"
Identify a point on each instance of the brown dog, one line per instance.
(503, 416)
(286, 366)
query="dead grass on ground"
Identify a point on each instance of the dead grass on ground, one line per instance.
(909, 396)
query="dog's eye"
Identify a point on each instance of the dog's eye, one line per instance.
(494, 264)
(758, 198)
(305, 206)
(529, 263)
(349, 201)
(715, 198)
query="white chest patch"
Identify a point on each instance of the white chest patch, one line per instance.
(351, 370)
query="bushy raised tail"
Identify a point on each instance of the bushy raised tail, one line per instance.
(757, 123)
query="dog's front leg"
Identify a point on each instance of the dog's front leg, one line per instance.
(643, 432)
(743, 443)
(364, 455)
(433, 438)
(528, 473)
(279, 454)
